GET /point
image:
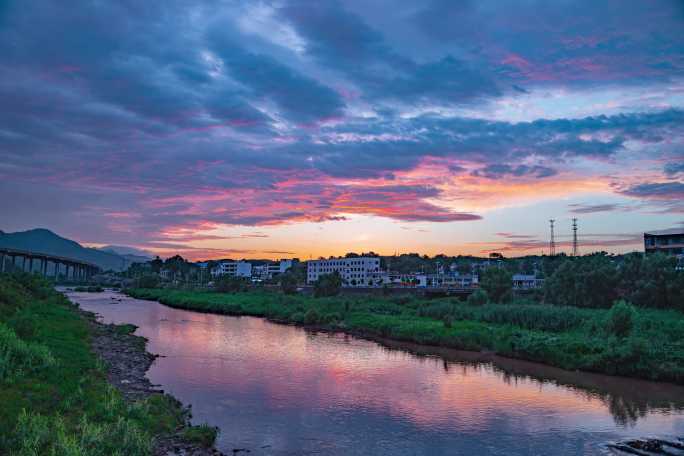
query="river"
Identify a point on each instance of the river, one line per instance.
(282, 390)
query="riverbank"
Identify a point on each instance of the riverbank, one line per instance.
(71, 385)
(566, 337)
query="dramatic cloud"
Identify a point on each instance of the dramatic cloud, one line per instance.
(158, 125)
(657, 190)
(673, 169)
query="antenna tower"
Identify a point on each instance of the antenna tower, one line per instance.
(552, 242)
(575, 251)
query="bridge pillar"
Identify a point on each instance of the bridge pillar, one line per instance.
(31, 265)
(43, 267)
(2, 262)
(14, 261)
(23, 263)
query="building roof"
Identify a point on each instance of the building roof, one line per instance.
(671, 231)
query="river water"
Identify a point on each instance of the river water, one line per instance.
(281, 390)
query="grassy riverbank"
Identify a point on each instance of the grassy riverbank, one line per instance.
(566, 337)
(54, 392)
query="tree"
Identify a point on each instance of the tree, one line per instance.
(147, 281)
(589, 281)
(230, 284)
(621, 318)
(477, 298)
(498, 284)
(288, 283)
(652, 281)
(328, 285)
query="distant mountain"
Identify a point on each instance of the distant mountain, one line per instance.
(130, 253)
(45, 241)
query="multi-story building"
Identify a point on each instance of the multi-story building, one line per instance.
(233, 268)
(667, 241)
(269, 270)
(355, 272)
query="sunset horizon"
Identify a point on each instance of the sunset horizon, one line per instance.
(288, 129)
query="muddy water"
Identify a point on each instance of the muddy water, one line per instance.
(281, 390)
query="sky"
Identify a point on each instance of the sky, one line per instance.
(282, 129)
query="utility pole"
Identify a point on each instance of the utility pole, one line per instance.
(575, 251)
(552, 242)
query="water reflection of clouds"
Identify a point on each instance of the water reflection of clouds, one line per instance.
(287, 380)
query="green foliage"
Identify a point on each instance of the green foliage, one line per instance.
(652, 281)
(478, 298)
(312, 317)
(589, 281)
(497, 283)
(328, 285)
(288, 283)
(18, 357)
(147, 281)
(230, 284)
(54, 394)
(448, 320)
(620, 318)
(203, 435)
(42, 435)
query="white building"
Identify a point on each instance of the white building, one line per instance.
(269, 270)
(355, 272)
(233, 268)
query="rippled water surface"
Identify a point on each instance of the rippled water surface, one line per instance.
(280, 390)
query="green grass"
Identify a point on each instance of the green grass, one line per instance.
(567, 337)
(203, 435)
(53, 390)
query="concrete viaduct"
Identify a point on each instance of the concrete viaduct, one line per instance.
(71, 269)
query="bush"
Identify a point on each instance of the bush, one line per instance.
(448, 320)
(148, 281)
(498, 284)
(312, 317)
(477, 298)
(230, 284)
(621, 318)
(288, 283)
(203, 435)
(328, 285)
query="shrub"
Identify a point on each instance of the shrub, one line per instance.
(230, 284)
(148, 281)
(437, 310)
(203, 435)
(328, 285)
(448, 320)
(477, 298)
(621, 318)
(312, 317)
(288, 283)
(498, 284)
